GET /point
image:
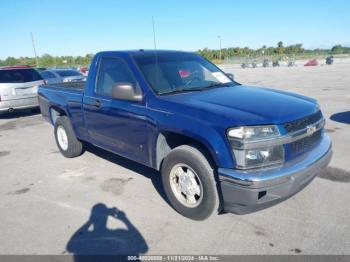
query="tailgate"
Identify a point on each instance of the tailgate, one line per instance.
(11, 91)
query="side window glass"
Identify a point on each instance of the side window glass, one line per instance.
(45, 75)
(112, 71)
(51, 75)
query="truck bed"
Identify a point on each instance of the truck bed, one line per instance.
(69, 85)
(67, 96)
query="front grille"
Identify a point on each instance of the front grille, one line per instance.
(302, 123)
(306, 142)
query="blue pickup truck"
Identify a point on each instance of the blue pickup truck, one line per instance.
(219, 146)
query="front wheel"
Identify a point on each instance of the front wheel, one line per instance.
(66, 140)
(189, 183)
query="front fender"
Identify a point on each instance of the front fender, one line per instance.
(213, 139)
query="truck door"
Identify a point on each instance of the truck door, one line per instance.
(116, 125)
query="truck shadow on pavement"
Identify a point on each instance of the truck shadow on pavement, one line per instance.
(94, 240)
(20, 113)
(150, 173)
(342, 117)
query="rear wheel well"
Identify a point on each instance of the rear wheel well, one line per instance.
(56, 112)
(168, 140)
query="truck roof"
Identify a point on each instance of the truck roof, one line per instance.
(142, 51)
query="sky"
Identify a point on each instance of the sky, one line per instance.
(67, 27)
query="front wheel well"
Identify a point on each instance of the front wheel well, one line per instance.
(167, 141)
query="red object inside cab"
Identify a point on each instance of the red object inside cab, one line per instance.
(184, 73)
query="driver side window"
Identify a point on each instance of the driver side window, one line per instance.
(112, 71)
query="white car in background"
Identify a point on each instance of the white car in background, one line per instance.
(18, 88)
(54, 76)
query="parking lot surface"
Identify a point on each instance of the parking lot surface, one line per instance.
(102, 203)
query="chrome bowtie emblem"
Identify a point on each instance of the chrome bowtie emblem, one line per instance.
(310, 130)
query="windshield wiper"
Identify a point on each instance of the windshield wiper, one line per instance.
(196, 89)
(216, 85)
(182, 90)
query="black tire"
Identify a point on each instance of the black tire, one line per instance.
(193, 158)
(75, 147)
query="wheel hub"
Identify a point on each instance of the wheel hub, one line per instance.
(62, 138)
(186, 185)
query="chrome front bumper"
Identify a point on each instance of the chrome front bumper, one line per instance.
(246, 191)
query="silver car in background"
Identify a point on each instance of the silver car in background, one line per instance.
(54, 76)
(18, 88)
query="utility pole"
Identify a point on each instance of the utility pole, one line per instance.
(154, 34)
(219, 36)
(33, 43)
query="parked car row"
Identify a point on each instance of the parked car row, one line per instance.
(266, 63)
(19, 85)
(291, 63)
(314, 62)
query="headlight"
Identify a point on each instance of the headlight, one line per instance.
(255, 157)
(253, 132)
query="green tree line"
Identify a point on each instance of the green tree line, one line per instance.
(47, 60)
(278, 50)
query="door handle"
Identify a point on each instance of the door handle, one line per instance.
(96, 103)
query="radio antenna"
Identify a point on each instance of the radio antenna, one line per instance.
(154, 34)
(33, 43)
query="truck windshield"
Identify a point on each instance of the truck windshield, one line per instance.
(169, 73)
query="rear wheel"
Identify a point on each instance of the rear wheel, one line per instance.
(66, 140)
(189, 183)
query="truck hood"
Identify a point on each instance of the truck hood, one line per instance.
(243, 105)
